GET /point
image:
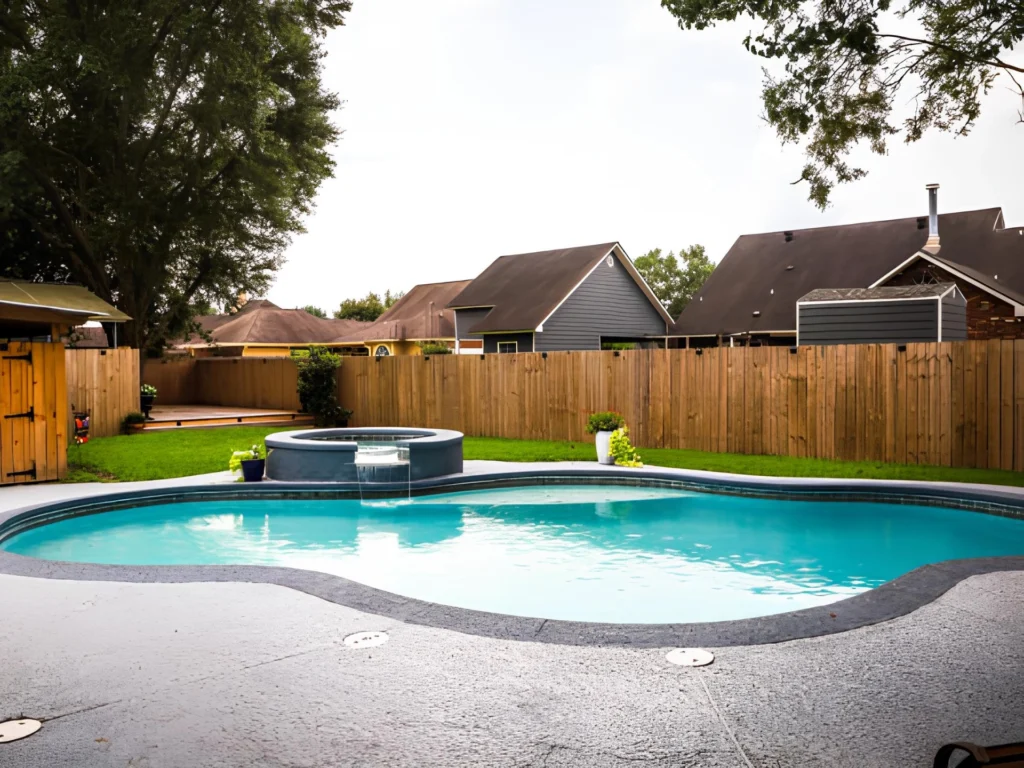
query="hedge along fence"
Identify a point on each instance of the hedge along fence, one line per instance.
(952, 404)
(241, 382)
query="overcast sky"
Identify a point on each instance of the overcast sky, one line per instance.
(476, 128)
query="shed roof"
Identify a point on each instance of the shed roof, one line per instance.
(882, 293)
(420, 315)
(766, 273)
(74, 300)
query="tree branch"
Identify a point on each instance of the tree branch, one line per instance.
(997, 63)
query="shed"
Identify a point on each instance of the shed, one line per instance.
(883, 315)
(33, 382)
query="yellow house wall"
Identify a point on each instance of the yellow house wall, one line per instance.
(266, 352)
(396, 347)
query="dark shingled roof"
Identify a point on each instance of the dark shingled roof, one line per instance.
(525, 288)
(420, 315)
(997, 286)
(881, 293)
(755, 273)
(263, 322)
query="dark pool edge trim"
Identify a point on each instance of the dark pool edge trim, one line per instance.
(889, 601)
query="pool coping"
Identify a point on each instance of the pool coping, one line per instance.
(888, 601)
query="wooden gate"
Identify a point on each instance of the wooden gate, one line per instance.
(33, 412)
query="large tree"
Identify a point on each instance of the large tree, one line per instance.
(675, 285)
(849, 67)
(160, 153)
(368, 308)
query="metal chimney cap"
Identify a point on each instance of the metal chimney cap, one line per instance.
(931, 186)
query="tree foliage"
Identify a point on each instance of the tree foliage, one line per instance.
(368, 308)
(160, 153)
(674, 284)
(849, 66)
(315, 311)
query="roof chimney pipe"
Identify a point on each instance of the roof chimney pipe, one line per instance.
(933, 218)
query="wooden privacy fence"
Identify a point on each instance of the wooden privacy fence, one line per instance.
(954, 404)
(33, 412)
(104, 383)
(242, 382)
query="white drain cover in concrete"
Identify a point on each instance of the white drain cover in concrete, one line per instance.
(13, 730)
(366, 639)
(690, 657)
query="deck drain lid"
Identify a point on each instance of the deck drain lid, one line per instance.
(13, 730)
(366, 639)
(690, 657)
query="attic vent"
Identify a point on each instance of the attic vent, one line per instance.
(922, 222)
(757, 313)
(789, 236)
(789, 267)
(610, 260)
(772, 291)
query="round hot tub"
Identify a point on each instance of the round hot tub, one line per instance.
(341, 455)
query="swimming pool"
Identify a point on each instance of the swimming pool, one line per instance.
(590, 553)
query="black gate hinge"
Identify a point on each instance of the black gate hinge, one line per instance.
(27, 358)
(30, 414)
(24, 472)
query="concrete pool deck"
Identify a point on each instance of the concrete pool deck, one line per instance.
(233, 674)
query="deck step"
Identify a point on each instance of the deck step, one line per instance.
(256, 420)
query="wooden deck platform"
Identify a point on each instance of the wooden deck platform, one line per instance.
(203, 416)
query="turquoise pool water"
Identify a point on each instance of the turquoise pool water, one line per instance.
(588, 553)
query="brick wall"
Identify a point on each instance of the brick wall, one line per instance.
(987, 316)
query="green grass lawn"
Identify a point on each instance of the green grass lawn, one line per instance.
(177, 453)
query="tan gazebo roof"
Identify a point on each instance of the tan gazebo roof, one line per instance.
(75, 302)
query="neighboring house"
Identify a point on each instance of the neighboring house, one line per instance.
(751, 297)
(88, 336)
(421, 315)
(262, 329)
(568, 299)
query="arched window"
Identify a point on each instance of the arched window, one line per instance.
(381, 351)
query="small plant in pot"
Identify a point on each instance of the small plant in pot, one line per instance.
(133, 422)
(147, 394)
(602, 425)
(252, 462)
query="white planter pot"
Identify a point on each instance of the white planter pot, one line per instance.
(603, 448)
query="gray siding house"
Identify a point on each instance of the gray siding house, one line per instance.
(568, 299)
(885, 315)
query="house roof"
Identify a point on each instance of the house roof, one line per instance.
(882, 293)
(263, 322)
(73, 300)
(525, 288)
(990, 283)
(420, 315)
(767, 274)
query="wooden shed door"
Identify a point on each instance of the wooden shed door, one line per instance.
(17, 415)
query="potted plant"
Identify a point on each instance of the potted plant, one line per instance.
(602, 425)
(132, 422)
(343, 416)
(147, 396)
(251, 461)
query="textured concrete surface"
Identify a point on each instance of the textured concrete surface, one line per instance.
(256, 675)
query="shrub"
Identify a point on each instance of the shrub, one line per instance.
(435, 348)
(606, 421)
(318, 386)
(130, 420)
(620, 447)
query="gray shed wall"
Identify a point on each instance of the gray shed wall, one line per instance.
(954, 318)
(525, 341)
(607, 303)
(869, 322)
(467, 318)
